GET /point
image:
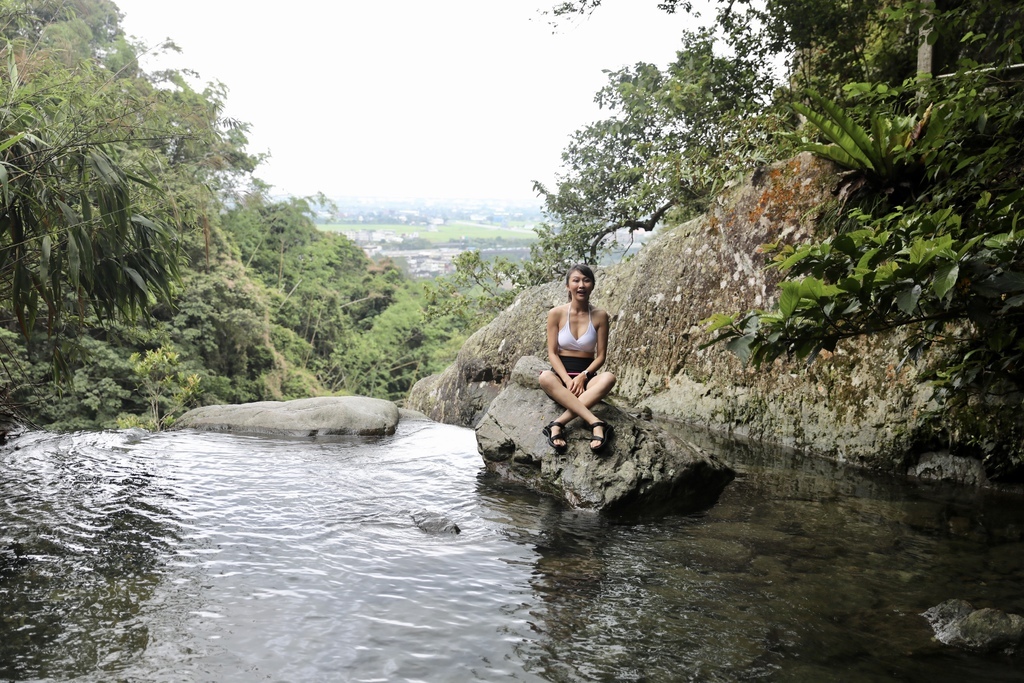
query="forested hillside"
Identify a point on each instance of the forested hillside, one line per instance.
(142, 264)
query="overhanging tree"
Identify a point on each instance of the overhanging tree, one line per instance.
(106, 173)
(673, 138)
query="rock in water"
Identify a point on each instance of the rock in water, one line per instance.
(435, 523)
(321, 416)
(957, 623)
(945, 619)
(643, 469)
(852, 405)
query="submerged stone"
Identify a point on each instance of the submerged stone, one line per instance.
(643, 468)
(435, 523)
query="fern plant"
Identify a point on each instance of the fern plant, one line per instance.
(879, 154)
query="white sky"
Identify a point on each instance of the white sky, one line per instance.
(407, 98)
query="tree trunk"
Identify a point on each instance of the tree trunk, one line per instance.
(926, 48)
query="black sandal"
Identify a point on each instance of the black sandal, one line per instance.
(559, 448)
(602, 441)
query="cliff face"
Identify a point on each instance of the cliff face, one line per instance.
(849, 405)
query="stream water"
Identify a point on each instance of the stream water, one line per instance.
(207, 557)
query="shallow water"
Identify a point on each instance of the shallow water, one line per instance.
(206, 557)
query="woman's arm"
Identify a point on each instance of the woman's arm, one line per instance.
(600, 319)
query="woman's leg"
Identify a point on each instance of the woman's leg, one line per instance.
(551, 385)
(597, 388)
(554, 388)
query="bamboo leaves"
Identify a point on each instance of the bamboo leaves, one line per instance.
(69, 238)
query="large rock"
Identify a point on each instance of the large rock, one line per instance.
(944, 466)
(854, 405)
(642, 469)
(321, 416)
(957, 623)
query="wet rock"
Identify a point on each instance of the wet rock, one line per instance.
(12, 557)
(943, 466)
(10, 426)
(408, 415)
(988, 630)
(321, 416)
(435, 523)
(643, 468)
(462, 393)
(945, 616)
(957, 623)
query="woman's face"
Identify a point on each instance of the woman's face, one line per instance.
(580, 286)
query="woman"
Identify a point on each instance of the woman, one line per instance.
(577, 341)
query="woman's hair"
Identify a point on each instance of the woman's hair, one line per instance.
(583, 268)
(580, 268)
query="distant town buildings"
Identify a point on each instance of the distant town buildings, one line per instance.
(427, 262)
(366, 238)
(398, 230)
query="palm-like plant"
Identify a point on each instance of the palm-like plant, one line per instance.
(878, 153)
(70, 240)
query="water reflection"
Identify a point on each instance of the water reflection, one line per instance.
(83, 542)
(216, 557)
(804, 570)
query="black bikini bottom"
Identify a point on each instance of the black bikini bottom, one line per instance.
(573, 365)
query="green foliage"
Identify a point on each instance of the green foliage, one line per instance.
(168, 390)
(826, 44)
(137, 249)
(96, 393)
(400, 346)
(355, 327)
(676, 137)
(477, 291)
(927, 238)
(673, 138)
(70, 237)
(924, 235)
(878, 155)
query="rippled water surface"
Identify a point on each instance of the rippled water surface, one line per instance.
(205, 557)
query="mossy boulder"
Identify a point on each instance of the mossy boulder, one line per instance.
(857, 404)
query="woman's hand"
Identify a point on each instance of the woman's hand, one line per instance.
(578, 384)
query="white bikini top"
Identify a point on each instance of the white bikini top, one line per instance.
(587, 343)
